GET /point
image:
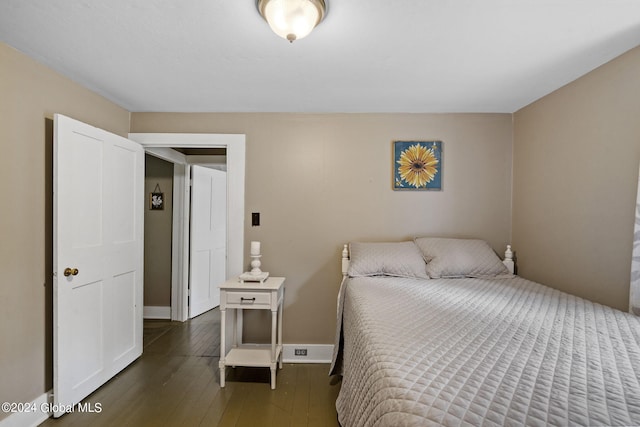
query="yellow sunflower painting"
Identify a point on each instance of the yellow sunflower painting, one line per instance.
(417, 165)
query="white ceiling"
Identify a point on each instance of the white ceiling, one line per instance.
(366, 56)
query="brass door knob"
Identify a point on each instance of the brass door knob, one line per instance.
(70, 272)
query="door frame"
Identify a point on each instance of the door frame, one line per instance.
(159, 145)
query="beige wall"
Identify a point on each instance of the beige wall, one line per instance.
(157, 234)
(321, 180)
(29, 96)
(576, 154)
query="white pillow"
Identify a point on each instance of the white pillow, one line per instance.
(401, 259)
(450, 258)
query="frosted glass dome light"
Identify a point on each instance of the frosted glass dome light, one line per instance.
(292, 19)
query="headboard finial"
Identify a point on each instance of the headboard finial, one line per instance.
(345, 259)
(508, 260)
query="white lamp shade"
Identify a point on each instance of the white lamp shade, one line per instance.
(292, 19)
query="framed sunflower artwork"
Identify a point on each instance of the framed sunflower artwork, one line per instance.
(417, 165)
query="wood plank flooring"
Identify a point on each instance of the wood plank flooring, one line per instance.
(176, 383)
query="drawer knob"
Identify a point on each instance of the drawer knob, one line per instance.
(243, 299)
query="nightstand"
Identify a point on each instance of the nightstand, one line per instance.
(238, 296)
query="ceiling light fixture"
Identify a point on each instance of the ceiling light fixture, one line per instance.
(292, 19)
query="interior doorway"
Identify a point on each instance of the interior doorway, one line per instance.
(206, 266)
(158, 217)
(183, 151)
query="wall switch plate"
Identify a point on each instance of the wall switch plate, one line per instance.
(255, 219)
(300, 352)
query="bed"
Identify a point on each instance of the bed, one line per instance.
(439, 332)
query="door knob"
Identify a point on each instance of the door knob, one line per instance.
(70, 272)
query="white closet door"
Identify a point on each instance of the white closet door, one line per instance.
(208, 238)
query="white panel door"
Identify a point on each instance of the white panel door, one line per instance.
(98, 239)
(208, 238)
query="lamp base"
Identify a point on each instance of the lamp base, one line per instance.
(253, 277)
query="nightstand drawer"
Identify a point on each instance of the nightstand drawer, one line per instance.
(249, 299)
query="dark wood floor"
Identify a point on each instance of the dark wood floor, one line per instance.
(176, 383)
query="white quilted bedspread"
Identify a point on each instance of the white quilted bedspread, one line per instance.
(478, 352)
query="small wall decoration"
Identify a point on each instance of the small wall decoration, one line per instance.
(417, 165)
(156, 199)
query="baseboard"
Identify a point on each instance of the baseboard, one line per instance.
(316, 353)
(151, 312)
(31, 414)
